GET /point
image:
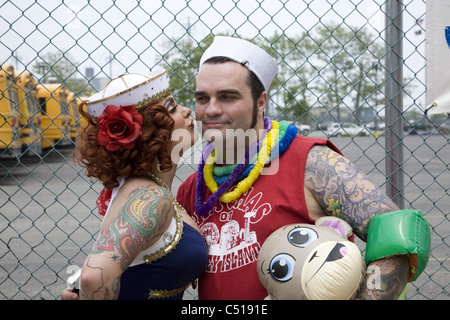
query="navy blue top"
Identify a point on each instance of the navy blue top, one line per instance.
(177, 269)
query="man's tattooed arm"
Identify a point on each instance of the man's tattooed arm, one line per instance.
(386, 279)
(142, 218)
(343, 191)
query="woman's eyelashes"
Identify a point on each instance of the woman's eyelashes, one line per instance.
(171, 106)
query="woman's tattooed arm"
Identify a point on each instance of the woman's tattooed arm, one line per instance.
(343, 191)
(142, 217)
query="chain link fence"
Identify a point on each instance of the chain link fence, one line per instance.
(334, 81)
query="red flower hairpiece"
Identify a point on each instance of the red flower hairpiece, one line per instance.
(119, 127)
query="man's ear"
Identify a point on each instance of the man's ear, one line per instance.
(262, 103)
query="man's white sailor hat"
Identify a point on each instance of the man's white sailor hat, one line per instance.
(131, 89)
(246, 53)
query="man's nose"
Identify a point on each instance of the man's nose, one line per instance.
(213, 108)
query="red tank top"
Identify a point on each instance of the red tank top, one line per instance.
(235, 232)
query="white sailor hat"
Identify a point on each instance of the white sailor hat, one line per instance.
(131, 89)
(246, 53)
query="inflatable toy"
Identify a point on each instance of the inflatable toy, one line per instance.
(311, 262)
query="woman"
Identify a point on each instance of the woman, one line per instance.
(148, 247)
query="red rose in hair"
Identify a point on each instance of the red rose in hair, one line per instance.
(119, 127)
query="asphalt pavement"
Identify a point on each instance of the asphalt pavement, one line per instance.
(48, 218)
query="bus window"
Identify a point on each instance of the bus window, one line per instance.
(10, 142)
(30, 117)
(42, 103)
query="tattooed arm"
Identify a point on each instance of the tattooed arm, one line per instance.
(140, 220)
(343, 191)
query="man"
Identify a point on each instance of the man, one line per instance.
(310, 178)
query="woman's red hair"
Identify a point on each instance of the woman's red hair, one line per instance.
(152, 145)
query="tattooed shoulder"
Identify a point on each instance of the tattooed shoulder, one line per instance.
(342, 190)
(143, 217)
(147, 209)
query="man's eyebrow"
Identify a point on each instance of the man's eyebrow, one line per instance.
(200, 93)
(220, 92)
(230, 91)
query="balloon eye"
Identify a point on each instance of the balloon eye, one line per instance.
(301, 237)
(282, 267)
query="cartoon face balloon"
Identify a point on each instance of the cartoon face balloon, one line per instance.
(311, 262)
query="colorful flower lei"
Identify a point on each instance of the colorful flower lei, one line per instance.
(286, 134)
(245, 184)
(240, 169)
(220, 171)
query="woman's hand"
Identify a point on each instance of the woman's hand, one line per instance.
(68, 294)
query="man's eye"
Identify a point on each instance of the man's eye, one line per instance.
(200, 99)
(228, 97)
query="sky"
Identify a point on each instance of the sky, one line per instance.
(133, 34)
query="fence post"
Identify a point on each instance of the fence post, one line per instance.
(394, 102)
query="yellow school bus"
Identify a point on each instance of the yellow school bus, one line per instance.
(10, 142)
(55, 129)
(30, 114)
